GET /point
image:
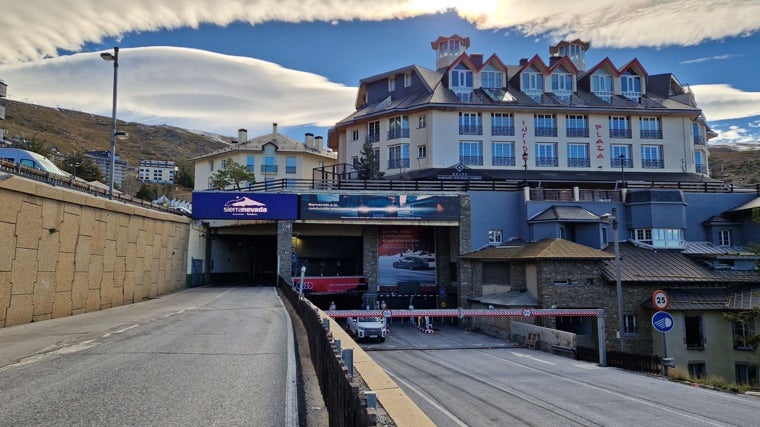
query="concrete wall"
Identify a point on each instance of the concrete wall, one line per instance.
(64, 252)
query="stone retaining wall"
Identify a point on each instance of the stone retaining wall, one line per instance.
(63, 252)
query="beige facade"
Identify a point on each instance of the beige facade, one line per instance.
(269, 157)
(64, 253)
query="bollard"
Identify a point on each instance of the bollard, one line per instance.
(348, 360)
(371, 399)
(326, 324)
(337, 345)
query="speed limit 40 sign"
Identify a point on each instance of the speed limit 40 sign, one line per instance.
(660, 300)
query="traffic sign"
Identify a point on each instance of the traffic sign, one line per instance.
(386, 313)
(526, 312)
(660, 300)
(662, 321)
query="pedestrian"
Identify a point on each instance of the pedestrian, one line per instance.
(332, 306)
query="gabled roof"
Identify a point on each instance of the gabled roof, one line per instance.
(607, 64)
(495, 61)
(536, 62)
(566, 63)
(754, 203)
(256, 144)
(441, 39)
(564, 214)
(636, 66)
(541, 250)
(465, 60)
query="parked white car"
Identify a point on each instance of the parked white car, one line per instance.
(367, 328)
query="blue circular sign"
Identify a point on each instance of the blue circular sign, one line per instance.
(662, 321)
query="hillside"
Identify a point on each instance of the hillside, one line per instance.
(738, 166)
(73, 131)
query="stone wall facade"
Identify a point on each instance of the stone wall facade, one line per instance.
(63, 252)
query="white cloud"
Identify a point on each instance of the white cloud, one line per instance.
(711, 58)
(722, 102)
(33, 29)
(188, 88)
(734, 135)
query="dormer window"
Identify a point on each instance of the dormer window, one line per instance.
(562, 85)
(391, 84)
(491, 78)
(461, 82)
(631, 86)
(407, 79)
(658, 237)
(601, 86)
(533, 84)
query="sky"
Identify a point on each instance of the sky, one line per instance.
(217, 66)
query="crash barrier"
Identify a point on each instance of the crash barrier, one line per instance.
(346, 406)
(648, 363)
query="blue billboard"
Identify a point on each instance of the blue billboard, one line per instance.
(237, 205)
(389, 208)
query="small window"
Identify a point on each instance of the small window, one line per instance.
(742, 331)
(211, 165)
(562, 282)
(355, 135)
(630, 323)
(494, 236)
(421, 122)
(693, 332)
(746, 374)
(407, 79)
(421, 151)
(724, 238)
(697, 370)
(391, 84)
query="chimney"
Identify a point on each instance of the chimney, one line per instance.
(274, 131)
(309, 139)
(318, 143)
(523, 61)
(242, 135)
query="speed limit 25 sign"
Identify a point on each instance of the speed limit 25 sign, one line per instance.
(660, 300)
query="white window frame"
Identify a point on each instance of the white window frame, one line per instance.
(407, 79)
(355, 135)
(601, 86)
(421, 122)
(724, 238)
(391, 84)
(495, 236)
(421, 151)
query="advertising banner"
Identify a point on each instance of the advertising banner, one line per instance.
(237, 205)
(390, 208)
(406, 257)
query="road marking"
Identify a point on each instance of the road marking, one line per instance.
(126, 329)
(432, 403)
(532, 358)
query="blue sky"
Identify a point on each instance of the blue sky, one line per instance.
(219, 66)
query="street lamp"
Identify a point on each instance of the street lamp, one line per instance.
(108, 56)
(619, 285)
(525, 167)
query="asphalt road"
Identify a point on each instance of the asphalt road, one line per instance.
(459, 378)
(204, 356)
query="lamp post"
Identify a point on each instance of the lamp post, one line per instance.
(618, 283)
(525, 168)
(108, 56)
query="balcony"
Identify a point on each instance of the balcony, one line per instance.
(503, 130)
(701, 168)
(621, 163)
(398, 133)
(651, 134)
(546, 131)
(547, 161)
(471, 160)
(652, 164)
(502, 161)
(578, 162)
(620, 133)
(577, 133)
(398, 163)
(290, 169)
(373, 137)
(470, 130)
(699, 140)
(268, 168)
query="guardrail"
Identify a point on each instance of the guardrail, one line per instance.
(81, 186)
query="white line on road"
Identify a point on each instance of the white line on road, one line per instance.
(443, 410)
(532, 358)
(126, 329)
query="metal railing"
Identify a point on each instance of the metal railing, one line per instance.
(620, 133)
(576, 132)
(650, 134)
(578, 162)
(652, 164)
(470, 130)
(373, 137)
(471, 160)
(547, 161)
(546, 131)
(398, 133)
(502, 161)
(503, 130)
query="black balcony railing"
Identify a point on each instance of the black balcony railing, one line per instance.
(290, 169)
(547, 161)
(373, 137)
(502, 161)
(652, 164)
(618, 163)
(503, 130)
(620, 133)
(268, 168)
(398, 163)
(471, 160)
(546, 131)
(398, 133)
(701, 168)
(470, 130)
(577, 133)
(699, 140)
(651, 134)
(578, 162)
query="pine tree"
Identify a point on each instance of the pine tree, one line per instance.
(368, 165)
(232, 173)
